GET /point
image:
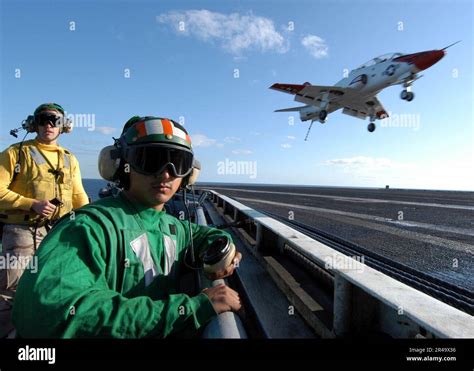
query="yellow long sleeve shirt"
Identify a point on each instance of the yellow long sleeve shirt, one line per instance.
(19, 194)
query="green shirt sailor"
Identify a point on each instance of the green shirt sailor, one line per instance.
(113, 267)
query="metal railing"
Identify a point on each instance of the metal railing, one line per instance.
(363, 298)
(226, 325)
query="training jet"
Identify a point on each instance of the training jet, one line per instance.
(357, 93)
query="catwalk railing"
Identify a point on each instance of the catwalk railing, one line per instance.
(364, 299)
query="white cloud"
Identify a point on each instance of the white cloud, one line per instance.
(106, 130)
(372, 163)
(315, 45)
(242, 152)
(291, 137)
(200, 140)
(232, 139)
(286, 145)
(234, 32)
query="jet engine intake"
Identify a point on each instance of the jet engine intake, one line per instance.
(359, 81)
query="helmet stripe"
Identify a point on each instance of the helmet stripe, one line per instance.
(153, 127)
(179, 133)
(157, 130)
(167, 127)
(141, 129)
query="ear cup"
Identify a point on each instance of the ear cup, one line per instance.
(109, 161)
(29, 124)
(192, 178)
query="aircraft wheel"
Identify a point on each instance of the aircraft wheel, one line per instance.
(410, 96)
(371, 127)
(404, 94)
(322, 115)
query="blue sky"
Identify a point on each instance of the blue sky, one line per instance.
(214, 74)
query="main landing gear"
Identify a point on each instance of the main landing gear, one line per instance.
(407, 95)
(322, 115)
(371, 126)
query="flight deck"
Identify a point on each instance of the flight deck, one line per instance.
(350, 261)
(431, 231)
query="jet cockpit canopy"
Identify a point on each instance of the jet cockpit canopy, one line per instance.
(380, 59)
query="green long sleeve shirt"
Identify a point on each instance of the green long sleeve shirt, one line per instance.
(112, 269)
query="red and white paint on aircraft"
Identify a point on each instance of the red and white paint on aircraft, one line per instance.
(356, 94)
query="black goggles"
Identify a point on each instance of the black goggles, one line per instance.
(43, 119)
(152, 159)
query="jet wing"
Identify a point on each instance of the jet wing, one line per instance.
(311, 94)
(362, 108)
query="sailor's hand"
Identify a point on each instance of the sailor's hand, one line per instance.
(228, 270)
(43, 208)
(223, 298)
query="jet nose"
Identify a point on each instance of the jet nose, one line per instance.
(424, 60)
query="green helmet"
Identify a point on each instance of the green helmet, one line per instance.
(151, 144)
(49, 107)
(150, 129)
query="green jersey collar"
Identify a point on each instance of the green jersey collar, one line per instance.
(148, 215)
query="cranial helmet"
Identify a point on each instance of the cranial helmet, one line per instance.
(149, 145)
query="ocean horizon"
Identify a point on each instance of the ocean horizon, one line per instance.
(93, 186)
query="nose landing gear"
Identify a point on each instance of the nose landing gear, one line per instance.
(371, 127)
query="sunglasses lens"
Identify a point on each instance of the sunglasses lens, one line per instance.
(46, 119)
(182, 161)
(153, 160)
